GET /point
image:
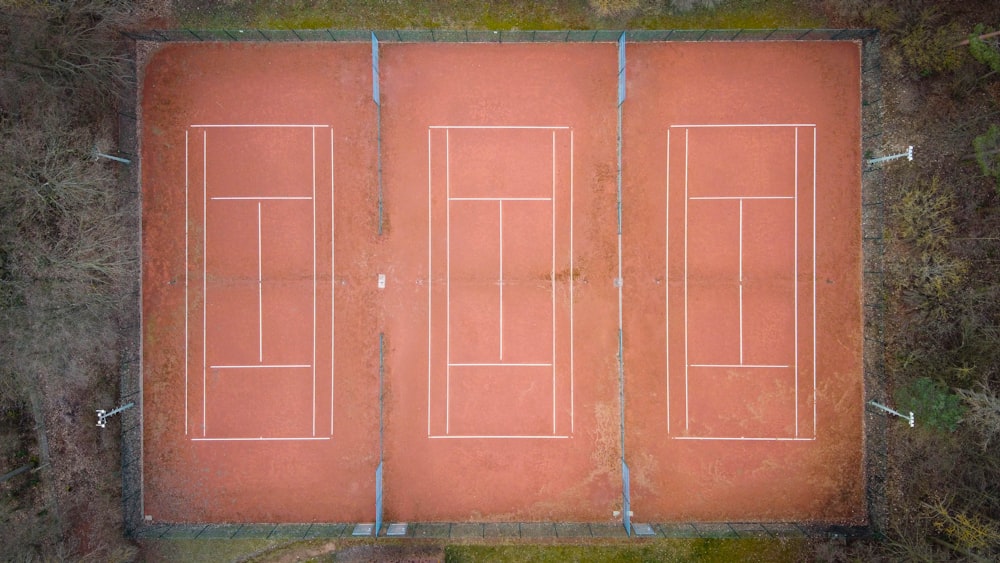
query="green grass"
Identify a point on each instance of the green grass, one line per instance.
(694, 550)
(737, 14)
(763, 550)
(203, 549)
(484, 14)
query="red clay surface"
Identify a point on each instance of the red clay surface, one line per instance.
(751, 407)
(481, 170)
(500, 310)
(263, 266)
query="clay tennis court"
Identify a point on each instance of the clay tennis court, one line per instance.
(738, 294)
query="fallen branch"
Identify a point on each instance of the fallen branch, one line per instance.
(983, 36)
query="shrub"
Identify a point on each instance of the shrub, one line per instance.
(930, 49)
(987, 152)
(924, 215)
(982, 415)
(932, 404)
(968, 533)
(982, 51)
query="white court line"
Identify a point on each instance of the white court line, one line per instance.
(686, 359)
(743, 439)
(814, 350)
(742, 197)
(666, 284)
(746, 125)
(262, 198)
(553, 282)
(500, 365)
(187, 212)
(447, 236)
(499, 199)
(572, 421)
(333, 281)
(314, 279)
(491, 437)
(254, 366)
(260, 291)
(204, 282)
(257, 125)
(741, 281)
(795, 278)
(737, 366)
(430, 281)
(498, 127)
(261, 439)
(501, 279)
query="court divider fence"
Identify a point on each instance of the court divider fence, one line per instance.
(377, 97)
(873, 239)
(381, 432)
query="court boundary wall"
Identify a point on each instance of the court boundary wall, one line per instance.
(873, 243)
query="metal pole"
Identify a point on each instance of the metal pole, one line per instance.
(103, 416)
(908, 154)
(110, 157)
(909, 419)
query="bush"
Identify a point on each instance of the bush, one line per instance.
(924, 215)
(982, 414)
(969, 534)
(987, 152)
(929, 48)
(982, 51)
(931, 403)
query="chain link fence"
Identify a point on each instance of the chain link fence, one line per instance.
(130, 368)
(487, 531)
(873, 218)
(873, 288)
(505, 36)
